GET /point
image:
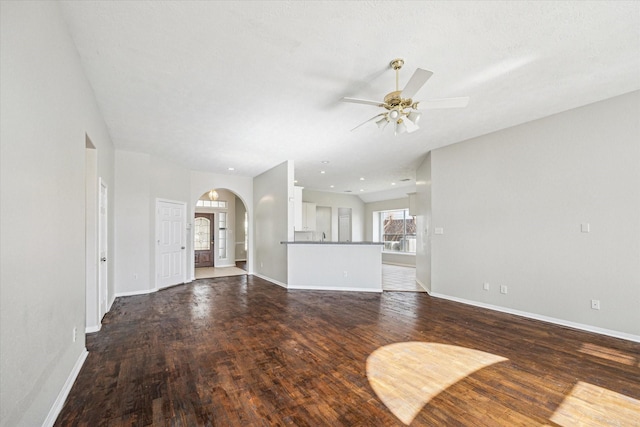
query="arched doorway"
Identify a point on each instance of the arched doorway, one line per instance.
(220, 234)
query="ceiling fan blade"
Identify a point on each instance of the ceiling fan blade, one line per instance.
(416, 81)
(363, 101)
(370, 120)
(444, 103)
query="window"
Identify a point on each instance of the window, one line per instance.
(212, 204)
(246, 231)
(397, 231)
(222, 235)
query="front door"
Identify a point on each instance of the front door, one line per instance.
(203, 240)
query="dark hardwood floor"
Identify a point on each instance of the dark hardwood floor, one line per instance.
(248, 353)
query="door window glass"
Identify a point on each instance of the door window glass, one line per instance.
(202, 241)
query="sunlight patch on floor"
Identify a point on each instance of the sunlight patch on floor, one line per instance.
(406, 376)
(590, 405)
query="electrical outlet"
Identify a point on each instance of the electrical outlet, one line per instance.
(595, 304)
(503, 289)
(485, 286)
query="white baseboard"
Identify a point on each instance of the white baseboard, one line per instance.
(269, 279)
(92, 329)
(399, 264)
(133, 293)
(52, 416)
(423, 286)
(561, 322)
(333, 288)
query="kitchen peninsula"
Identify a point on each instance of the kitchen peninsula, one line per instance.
(335, 266)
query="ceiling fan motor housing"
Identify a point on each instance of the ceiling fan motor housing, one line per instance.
(393, 100)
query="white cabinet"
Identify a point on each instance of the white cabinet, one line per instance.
(297, 208)
(308, 216)
(304, 213)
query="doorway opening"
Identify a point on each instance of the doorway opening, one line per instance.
(220, 235)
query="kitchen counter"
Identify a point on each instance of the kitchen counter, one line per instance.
(334, 266)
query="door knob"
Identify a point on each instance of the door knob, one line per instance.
(103, 259)
(182, 247)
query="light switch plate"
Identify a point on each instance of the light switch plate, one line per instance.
(438, 230)
(584, 227)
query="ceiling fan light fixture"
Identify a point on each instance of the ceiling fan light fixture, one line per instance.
(382, 122)
(414, 116)
(400, 127)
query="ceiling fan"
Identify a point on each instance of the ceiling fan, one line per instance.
(401, 110)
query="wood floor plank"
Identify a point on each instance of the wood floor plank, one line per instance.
(239, 351)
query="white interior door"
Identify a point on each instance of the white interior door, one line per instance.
(102, 249)
(171, 253)
(344, 228)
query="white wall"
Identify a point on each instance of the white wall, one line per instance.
(142, 179)
(336, 201)
(133, 230)
(273, 221)
(46, 108)
(371, 222)
(512, 203)
(169, 181)
(423, 223)
(241, 209)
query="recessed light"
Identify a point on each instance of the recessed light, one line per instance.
(232, 169)
(295, 181)
(322, 172)
(361, 179)
(393, 183)
(325, 162)
(331, 186)
(361, 189)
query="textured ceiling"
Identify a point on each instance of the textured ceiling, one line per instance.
(248, 85)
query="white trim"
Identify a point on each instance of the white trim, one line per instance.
(334, 288)
(92, 329)
(223, 265)
(398, 264)
(133, 293)
(268, 279)
(413, 254)
(113, 299)
(561, 322)
(423, 286)
(52, 416)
